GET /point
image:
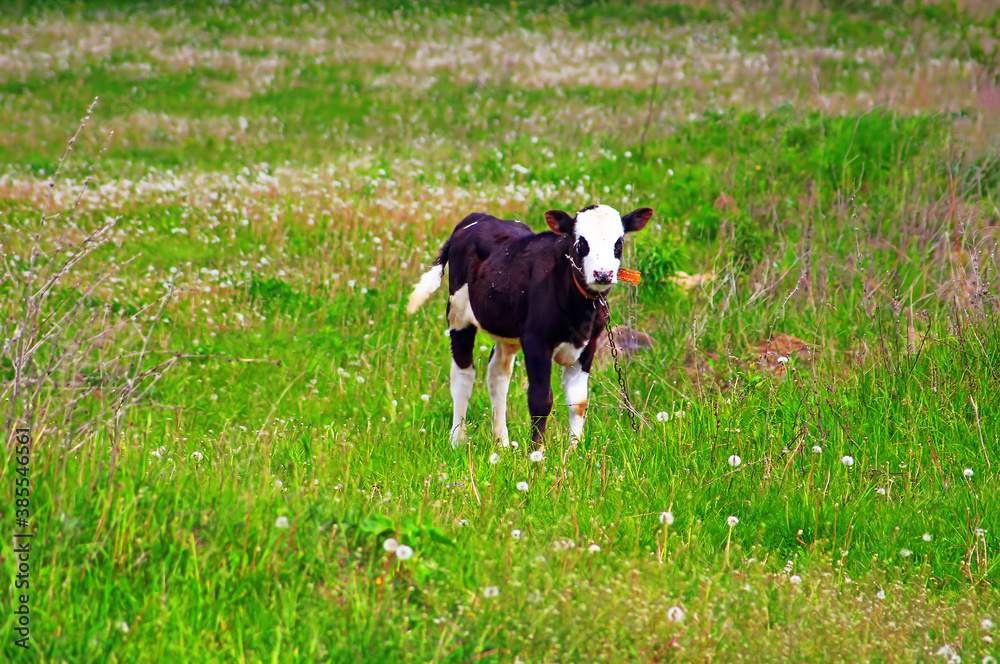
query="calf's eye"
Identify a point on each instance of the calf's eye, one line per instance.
(619, 247)
(582, 248)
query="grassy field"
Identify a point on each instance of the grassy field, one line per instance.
(231, 414)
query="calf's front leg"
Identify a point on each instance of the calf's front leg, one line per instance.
(538, 366)
(576, 376)
(575, 388)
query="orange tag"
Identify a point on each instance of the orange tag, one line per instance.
(629, 276)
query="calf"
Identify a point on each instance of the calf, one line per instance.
(542, 293)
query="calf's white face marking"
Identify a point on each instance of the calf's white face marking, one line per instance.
(600, 231)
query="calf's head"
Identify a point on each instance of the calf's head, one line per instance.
(598, 240)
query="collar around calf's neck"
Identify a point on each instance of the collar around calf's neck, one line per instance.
(584, 291)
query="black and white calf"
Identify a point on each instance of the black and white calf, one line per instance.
(538, 292)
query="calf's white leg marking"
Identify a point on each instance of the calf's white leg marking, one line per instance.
(575, 387)
(498, 382)
(460, 314)
(566, 354)
(461, 390)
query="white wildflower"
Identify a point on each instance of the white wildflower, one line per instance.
(948, 653)
(847, 460)
(906, 553)
(735, 460)
(490, 591)
(732, 521)
(494, 458)
(593, 548)
(967, 472)
(927, 537)
(675, 614)
(515, 534)
(880, 594)
(667, 518)
(122, 626)
(795, 579)
(425, 397)
(281, 522)
(404, 552)
(197, 456)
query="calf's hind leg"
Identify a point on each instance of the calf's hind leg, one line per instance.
(498, 382)
(463, 376)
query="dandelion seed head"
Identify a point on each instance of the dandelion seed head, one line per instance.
(967, 472)
(404, 552)
(817, 449)
(515, 534)
(906, 553)
(390, 545)
(927, 537)
(594, 548)
(732, 521)
(795, 579)
(735, 460)
(281, 522)
(494, 458)
(536, 456)
(663, 416)
(847, 460)
(675, 614)
(667, 518)
(490, 591)
(522, 486)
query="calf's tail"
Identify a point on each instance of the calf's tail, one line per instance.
(430, 281)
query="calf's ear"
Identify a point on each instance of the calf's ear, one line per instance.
(636, 220)
(559, 221)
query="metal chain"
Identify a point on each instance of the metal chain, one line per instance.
(622, 377)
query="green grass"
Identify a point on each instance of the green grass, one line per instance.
(232, 412)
